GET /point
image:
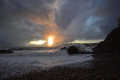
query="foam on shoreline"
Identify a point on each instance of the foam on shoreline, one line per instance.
(24, 61)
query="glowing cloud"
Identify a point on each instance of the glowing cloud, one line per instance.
(39, 42)
(86, 41)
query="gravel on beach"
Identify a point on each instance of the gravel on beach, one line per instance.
(102, 67)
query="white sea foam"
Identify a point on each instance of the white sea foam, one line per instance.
(25, 60)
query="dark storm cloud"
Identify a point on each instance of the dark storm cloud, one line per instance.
(67, 13)
(88, 20)
(19, 20)
(24, 20)
(107, 12)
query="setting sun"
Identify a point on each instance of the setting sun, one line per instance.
(50, 40)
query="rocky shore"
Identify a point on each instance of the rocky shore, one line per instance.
(102, 67)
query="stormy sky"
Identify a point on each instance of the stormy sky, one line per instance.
(22, 21)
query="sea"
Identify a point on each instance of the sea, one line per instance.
(23, 60)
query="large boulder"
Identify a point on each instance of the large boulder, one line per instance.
(111, 44)
(72, 50)
(80, 47)
(77, 48)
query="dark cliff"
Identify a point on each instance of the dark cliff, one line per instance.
(111, 44)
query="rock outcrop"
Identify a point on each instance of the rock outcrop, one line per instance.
(119, 21)
(64, 48)
(111, 44)
(6, 51)
(72, 50)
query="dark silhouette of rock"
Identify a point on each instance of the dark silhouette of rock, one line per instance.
(111, 44)
(6, 51)
(119, 21)
(63, 48)
(72, 50)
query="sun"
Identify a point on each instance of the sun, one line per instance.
(50, 40)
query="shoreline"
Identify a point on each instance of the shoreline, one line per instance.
(103, 66)
(16, 67)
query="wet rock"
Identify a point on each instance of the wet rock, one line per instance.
(72, 50)
(6, 51)
(63, 48)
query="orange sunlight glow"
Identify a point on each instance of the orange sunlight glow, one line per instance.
(50, 40)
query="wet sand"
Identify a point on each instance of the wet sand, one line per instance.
(102, 67)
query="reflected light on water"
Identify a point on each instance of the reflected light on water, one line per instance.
(48, 51)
